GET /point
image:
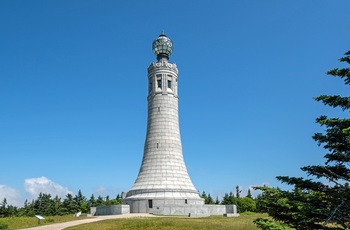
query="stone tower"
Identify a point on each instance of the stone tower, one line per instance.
(163, 180)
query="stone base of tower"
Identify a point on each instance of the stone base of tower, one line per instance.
(180, 207)
(167, 209)
(153, 200)
(159, 206)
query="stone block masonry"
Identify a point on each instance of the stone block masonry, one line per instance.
(110, 210)
(163, 177)
(169, 208)
(163, 185)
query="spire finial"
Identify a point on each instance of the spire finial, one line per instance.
(162, 31)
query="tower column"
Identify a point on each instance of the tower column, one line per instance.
(163, 180)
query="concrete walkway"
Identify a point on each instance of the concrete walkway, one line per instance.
(60, 226)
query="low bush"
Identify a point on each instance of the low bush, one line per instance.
(266, 224)
(3, 225)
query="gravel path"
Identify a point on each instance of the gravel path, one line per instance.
(60, 226)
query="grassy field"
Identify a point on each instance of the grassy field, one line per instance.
(26, 222)
(244, 222)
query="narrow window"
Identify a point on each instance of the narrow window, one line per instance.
(157, 145)
(169, 84)
(158, 109)
(185, 201)
(159, 81)
(150, 204)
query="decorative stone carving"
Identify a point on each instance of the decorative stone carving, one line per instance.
(162, 64)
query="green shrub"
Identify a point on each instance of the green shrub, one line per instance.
(266, 224)
(49, 220)
(245, 204)
(248, 213)
(3, 225)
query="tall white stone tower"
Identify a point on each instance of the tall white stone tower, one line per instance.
(163, 180)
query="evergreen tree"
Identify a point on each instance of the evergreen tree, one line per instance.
(119, 199)
(229, 199)
(11, 210)
(209, 199)
(70, 205)
(99, 201)
(314, 203)
(225, 199)
(107, 202)
(27, 209)
(249, 195)
(3, 208)
(244, 204)
(80, 202)
(217, 201)
(262, 200)
(57, 206)
(204, 195)
(79, 198)
(238, 191)
(92, 201)
(43, 205)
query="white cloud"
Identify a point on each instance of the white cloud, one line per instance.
(12, 196)
(100, 191)
(34, 186)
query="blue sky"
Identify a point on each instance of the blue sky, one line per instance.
(73, 88)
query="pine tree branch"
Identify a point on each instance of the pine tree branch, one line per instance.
(346, 58)
(335, 101)
(303, 183)
(343, 73)
(329, 173)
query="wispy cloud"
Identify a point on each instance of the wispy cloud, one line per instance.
(100, 191)
(12, 196)
(34, 186)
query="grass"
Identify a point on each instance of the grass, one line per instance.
(26, 222)
(244, 222)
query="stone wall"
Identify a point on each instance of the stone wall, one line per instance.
(111, 210)
(196, 210)
(191, 210)
(169, 209)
